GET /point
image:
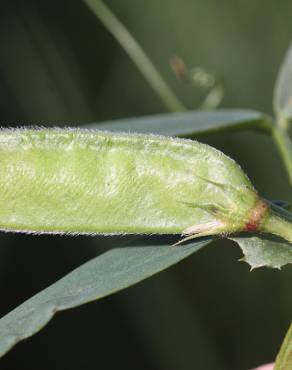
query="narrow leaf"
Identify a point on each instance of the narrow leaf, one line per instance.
(190, 123)
(283, 88)
(259, 252)
(106, 274)
(284, 358)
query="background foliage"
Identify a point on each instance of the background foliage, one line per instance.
(59, 66)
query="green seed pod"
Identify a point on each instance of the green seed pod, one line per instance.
(80, 181)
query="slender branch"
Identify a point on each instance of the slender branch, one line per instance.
(283, 141)
(285, 148)
(135, 52)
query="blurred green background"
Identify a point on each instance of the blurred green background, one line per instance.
(60, 66)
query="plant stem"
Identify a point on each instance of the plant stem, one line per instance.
(135, 52)
(277, 225)
(284, 144)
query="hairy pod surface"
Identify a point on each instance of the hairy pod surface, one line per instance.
(81, 181)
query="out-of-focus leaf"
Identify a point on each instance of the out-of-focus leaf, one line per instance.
(106, 274)
(284, 358)
(190, 123)
(259, 252)
(283, 88)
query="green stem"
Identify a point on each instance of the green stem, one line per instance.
(285, 148)
(135, 52)
(284, 358)
(277, 225)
